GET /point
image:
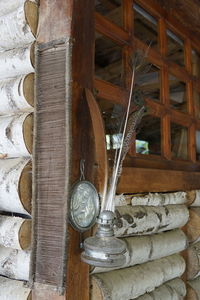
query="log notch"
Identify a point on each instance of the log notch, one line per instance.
(17, 94)
(15, 232)
(193, 226)
(15, 185)
(171, 290)
(16, 62)
(193, 290)
(14, 263)
(193, 261)
(13, 289)
(16, 135)
(119, 284)
(148, 219)
(196, 198)
(18, 28)
(145, 248)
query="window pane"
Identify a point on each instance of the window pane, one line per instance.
(111, 9)
(145, 27)
(195, 63)
(108, 60)
(148, 138)
(175, 48)
(177, 93)
(148, 80)
(198, 144)
(196, 98)
(179, 140)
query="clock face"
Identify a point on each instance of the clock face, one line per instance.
(84, 205)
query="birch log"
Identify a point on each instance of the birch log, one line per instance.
(16, 135)
(16, 62)
(15, 185)
(14, 263)
(130, 283)
(193, 226)
(142, 220)
(193, 259)
(146, 248)
(13, 290)
(15, 232)
(17, 94)
(193, 291)
(171, 290)
(18, 28)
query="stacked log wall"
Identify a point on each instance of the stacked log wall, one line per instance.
(18, 27)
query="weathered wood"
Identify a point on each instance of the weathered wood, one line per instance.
(14, 263)
(146, 248)
(171, 290)
(16, 135)
(194, 289)
(193, 225)
(130, 283)
(13, 289)
(15, 185)
(193, 261)
(17, 94)
(134, 220)
(19, 27)
(15, 232)
(16, 62)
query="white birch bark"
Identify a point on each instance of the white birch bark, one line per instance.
(13, 290)
(152, 199)
(12, 141)
(171, 290)
(142, 220)
(12, 98)
(14, 30)
(14, 263)
(15, 62)
(130, 283)
(10, 228)
(10, 173)
(8, 6)
(146, 248)
(197, 199)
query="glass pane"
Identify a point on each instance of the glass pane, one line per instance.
(195, 63)
(145, 27)
(198, 144)
(177, 93)
(196, 98)
(179, 140)
(175, 48)
(111, 9)
(148, 80)
(108, 60)
(148, 138)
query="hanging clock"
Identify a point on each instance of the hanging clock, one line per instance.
(83, 206)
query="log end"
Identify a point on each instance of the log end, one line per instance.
(25, 187)
(25, 235)
(28, 132)
(31, 13)
(30, 296)
(193, 226)
(28, 88)
(95, 291)
(190, 195)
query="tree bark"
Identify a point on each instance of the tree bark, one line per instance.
(194, 289)
(146, 248)
(193, 258)
(193, 225)
(142, 220)
(130, 283)
(14, 263)
(16, 62)
(15, 185)
(18, 28)
(16, 135)
(7, 7)
(171, 290)
(17, 94)
(15, 232)
(13, 290)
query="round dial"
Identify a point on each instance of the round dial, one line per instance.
(84, 205)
